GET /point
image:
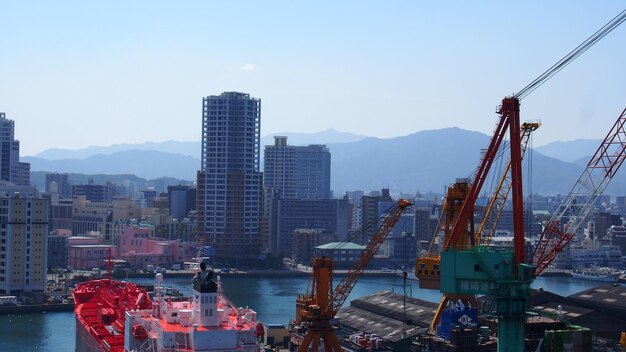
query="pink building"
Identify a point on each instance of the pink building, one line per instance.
(89, 256)
(139, 250)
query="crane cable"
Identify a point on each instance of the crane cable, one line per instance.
(567, 59)
(529, 178)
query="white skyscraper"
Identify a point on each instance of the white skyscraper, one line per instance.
(229, 182)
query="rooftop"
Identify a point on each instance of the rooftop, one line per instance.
(603, 296)
(341, 245)
(382, 313)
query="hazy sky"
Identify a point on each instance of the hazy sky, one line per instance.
(74, 74)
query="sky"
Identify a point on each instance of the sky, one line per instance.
(80, 73)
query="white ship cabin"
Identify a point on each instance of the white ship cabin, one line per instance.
(208, 321)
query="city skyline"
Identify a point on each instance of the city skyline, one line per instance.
(136, 73)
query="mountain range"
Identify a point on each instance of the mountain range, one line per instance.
(192, 149)
(423, 161)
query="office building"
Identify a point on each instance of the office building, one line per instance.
(181, 200)
(95, 193)
(92, 216)
(62, 184)
(11, 169)
(58, 249)
(369, 214)
(61, 215)
(23, 245)
(329, 216)
(229, 181)
(423, 230)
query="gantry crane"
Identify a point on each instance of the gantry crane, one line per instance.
(321, 303)
(582, 197)
(427, 268)
(504, 273)
(481, 269)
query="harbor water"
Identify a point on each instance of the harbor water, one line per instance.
(272, 298)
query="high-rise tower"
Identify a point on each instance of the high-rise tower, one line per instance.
(279, 169)
(229, 182)
(10, 167)
(301, 172)
(313, 172)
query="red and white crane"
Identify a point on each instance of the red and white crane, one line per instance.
(575, 207)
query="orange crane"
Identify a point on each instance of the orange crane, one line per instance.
(320, 304)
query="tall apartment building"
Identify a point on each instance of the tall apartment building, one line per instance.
(23, 245)
(301, 172)
(313, 172)
(229, 181)
(279, 169)
(11, 169)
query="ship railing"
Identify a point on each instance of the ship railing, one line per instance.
(182, 348)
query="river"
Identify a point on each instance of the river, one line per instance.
(272, 298)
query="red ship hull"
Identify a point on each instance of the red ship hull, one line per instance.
(100, 307)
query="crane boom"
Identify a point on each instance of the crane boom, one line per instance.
(347, 283)
(496, 204)
(576, 205)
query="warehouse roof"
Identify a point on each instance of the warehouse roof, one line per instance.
(382, 313)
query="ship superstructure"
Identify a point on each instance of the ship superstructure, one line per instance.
(208, 321)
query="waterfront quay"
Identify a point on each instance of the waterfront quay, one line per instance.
(66, 304)
(301, 271)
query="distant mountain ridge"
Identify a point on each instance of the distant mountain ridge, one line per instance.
(184, 148)
(192, 148)
(570, 151)
(148, 164)
(423, 161)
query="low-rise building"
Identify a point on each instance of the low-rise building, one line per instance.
(89, 256)
(606, 255)
(344, 254)
(140, 250)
